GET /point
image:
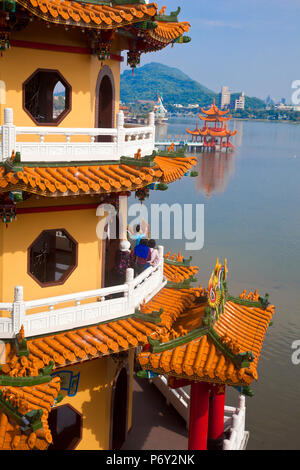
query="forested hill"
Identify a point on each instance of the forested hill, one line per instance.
(175, 86)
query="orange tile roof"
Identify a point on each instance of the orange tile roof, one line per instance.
(93, 179)
(179, 273)
(107, 338)
(17, 400)
(110, 338)
(94, 16)
(167, 32)
(24, 400)
(214, 110)
(77, 346)
(241, 328)
(89, 15)
(174, 168)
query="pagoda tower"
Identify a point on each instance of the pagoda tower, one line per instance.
(70, 321)
(214, 134)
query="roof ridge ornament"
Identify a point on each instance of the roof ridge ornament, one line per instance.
(171, 18)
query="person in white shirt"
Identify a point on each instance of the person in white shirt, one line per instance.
(154, 260)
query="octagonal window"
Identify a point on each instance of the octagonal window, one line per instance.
(66, 428)
(52, 257)
(47, 97)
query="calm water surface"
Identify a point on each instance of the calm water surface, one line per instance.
(251, 200)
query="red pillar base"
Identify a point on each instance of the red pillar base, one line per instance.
(216, 415)
(199, 409)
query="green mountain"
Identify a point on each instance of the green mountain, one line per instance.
(175, 86)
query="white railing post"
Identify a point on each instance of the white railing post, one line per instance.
(151, 122)
(226, 444)
(8, 134)
(242, 402)
(130, 283)
(161, 260)
(120, 134)
(242, 408)
(18, 311)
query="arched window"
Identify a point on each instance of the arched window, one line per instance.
(105, 101)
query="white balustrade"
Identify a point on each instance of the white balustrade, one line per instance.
(234, 419)
(88, 308)
(124, 142)
(238, 436)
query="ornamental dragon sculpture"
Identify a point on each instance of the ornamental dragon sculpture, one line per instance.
(217, 289)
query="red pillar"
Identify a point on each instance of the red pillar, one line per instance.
(216, 412)
(199, 408)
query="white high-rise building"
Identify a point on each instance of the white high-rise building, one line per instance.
(240, 103)
(225, 97)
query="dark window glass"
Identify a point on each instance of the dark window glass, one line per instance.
(65, 424)
(52, 256)
(47, 97)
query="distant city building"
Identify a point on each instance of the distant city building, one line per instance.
(269, 100)
(285, 107)
(283, 100)
(240, 102)
(224, 97)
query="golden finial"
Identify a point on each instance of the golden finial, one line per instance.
(138, 155)
(21, 335)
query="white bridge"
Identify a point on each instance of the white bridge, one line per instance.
(55, 144)
(81, 309)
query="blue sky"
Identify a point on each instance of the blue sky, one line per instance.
(249, 45)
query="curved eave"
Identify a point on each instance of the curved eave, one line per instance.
(214, 111)
(168, 32)
(201, 359)
(89, 15)
(215, 118)
(94, 179)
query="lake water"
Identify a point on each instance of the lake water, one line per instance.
(251, 200)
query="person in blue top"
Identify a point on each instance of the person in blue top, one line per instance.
(138, 235)
(142, 255)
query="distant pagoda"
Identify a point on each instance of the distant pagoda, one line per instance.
(160, 111)
(214, 134)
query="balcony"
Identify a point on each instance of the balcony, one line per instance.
(86, 309)
(55, 144)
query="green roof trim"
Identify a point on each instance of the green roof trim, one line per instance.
(186, 263)
(262, 303)
(157, 346)
(29, 421)
(42, 378)
(181, 285)
(154, 317)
